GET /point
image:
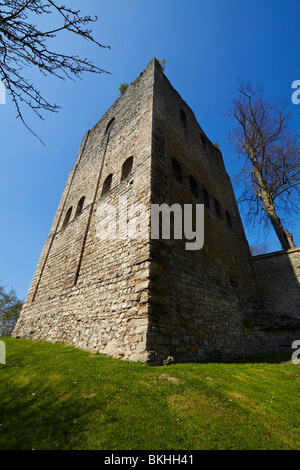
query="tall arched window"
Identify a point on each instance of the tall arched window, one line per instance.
(194, 186)
(206, 198)
(107, 184)
(176, 170)
(110, 126)
(68, 217)
(80, 206)
(127, 168)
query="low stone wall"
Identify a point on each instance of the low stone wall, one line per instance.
(277, 322)
(277, 278)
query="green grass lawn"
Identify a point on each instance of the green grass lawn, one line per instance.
(58, 397)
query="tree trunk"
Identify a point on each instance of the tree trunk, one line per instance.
(285, 237)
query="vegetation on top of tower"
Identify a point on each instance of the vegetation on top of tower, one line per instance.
(270, 150)
(163, 63)
(123, 87)
(23, 44)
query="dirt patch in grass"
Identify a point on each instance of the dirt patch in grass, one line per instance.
(168, 378)
(237, 396)
(90, 394)
(194, 403)
(152, 381)
(64, 397)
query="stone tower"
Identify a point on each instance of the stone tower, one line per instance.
(144, 299)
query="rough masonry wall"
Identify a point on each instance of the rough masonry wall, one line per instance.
(277, 324)
(89, 292)
(277, 276)
(198, 298)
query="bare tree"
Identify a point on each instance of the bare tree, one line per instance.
(271, 152)
(23, 44)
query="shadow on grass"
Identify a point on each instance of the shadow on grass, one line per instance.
(49, 423)
(270, 358)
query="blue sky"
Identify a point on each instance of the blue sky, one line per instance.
(207, 45)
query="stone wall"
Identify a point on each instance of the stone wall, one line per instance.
(198, 298)
(276, 324)
(89, 292)
(277, 277)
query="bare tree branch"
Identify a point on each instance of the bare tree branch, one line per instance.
(23, 44)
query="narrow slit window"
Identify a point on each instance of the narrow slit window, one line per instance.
(218, 209)
(107, 184)
(176, 170)
(206, 198)
(127, 168)
(79, 206)
(68, 217)
(183, 117)
(229, 220)
(194, 186)
(204, 143)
